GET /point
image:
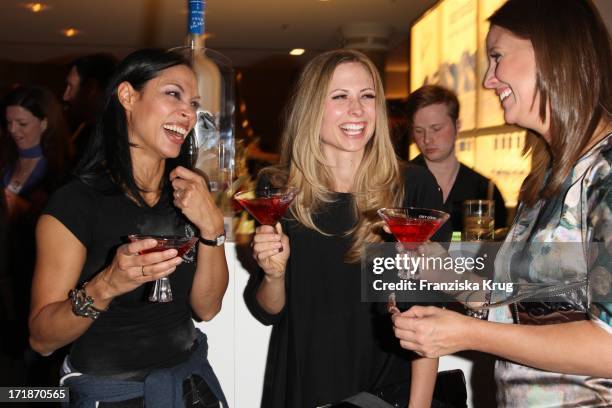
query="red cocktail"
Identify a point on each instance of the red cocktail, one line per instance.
(267, 206)
(162, 292)
(412, 226)
(180, 243)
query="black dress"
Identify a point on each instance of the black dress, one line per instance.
(326, 343)
(469, 185)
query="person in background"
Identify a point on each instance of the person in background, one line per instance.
(91, 288)
(327, 344)
(85, 85)
(35, 149)
(556, 83)
(433, 115)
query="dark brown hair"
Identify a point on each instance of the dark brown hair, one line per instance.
(573, 60)
(109, 150)
(431, 95)
(54, 141)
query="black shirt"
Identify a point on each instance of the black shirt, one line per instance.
(326, 343)
(134, 335)
(469, 185)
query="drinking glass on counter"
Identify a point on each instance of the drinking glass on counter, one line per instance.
(478, 220)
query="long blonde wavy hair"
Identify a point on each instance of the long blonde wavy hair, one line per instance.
(377, 182)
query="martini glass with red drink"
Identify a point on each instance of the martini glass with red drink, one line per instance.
(412, 227)
(267, 205)
(161, 291)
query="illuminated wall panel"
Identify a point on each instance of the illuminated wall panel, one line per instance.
(457, 70)
(499, 157)
(425, 48)
(488, 108)
(448, 48)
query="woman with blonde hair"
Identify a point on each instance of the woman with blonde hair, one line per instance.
(554, 349)
(326, 343)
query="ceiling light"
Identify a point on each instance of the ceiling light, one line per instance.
(297, 51)
(70, 32)
(36, 7)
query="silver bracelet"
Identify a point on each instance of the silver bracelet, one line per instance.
(82, 305)
(481, 314)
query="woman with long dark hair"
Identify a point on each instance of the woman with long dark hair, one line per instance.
(127, 184)
(549, 63)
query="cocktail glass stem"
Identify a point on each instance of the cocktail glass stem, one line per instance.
(411, 226)
(402, 273)
(161, 292)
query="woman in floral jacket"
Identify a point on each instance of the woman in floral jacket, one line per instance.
(555, 348)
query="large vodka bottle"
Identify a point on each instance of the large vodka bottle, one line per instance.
(212, 141)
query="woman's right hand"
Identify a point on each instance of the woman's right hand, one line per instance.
(271, 250)
(129, 269)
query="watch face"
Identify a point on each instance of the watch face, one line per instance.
(221, 240)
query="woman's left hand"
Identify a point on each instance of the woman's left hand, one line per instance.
(191, 195)
(431, 331)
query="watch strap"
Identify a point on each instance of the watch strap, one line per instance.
(218, 241)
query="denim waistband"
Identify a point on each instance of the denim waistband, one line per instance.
(161, 388)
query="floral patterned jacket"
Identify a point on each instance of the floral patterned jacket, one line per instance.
(565, 241)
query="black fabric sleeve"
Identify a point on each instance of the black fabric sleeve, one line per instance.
(73, 205)
(250, 293)
(422, 190)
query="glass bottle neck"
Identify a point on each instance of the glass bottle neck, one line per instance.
(195, 41)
